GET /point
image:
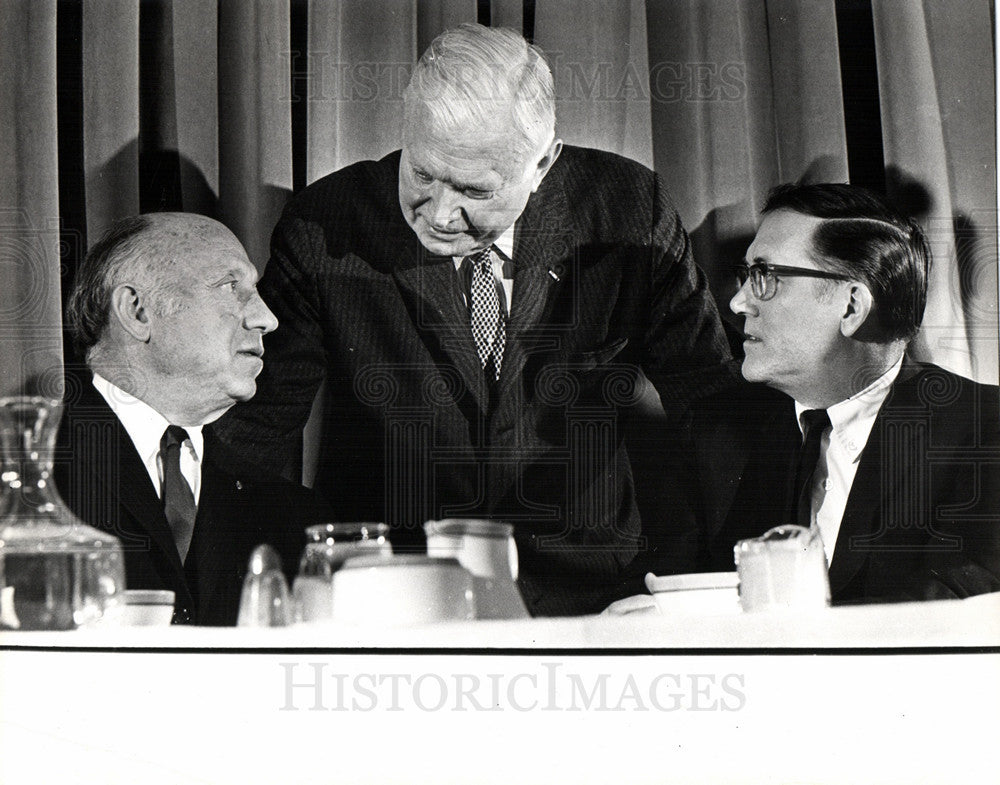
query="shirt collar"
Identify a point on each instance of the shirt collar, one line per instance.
(144, 425)
(504, 243)
(852, 419)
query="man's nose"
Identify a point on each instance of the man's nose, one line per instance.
(445, 206)
(742, 303)
(258, 316)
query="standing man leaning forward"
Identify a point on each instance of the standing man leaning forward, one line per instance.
(481, 303)
(166, 312)
(896, 463)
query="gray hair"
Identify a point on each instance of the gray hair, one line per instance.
(120, 256)
(472, 73)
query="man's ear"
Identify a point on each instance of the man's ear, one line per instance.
(545, 163)
(130, 311)
(860, 306)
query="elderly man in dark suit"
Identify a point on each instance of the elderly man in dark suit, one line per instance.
(896, 463)
(481, 304)
(166, 310)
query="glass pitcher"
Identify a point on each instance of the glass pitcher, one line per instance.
(487, 550)
(56, 573)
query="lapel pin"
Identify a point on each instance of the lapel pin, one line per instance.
(553, 274)
(239, 485)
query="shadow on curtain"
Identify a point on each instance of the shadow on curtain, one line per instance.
(197, 106)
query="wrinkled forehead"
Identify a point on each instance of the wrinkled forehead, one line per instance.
(492, 139)
(196, 244)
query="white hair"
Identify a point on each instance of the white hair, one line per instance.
(474, 77)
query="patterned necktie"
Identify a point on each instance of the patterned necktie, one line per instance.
(485, 315)
(814, 423)
(178, 500)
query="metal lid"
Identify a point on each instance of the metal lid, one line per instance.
(347, 530)
(149, 597)
(477, 527)
(400, 560)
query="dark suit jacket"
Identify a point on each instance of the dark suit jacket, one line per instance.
(102, 479)
(923, 516)
(604, 285)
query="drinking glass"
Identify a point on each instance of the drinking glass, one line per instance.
(783, 569)
(328, 546)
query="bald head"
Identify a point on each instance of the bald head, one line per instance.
(165, 306)
(142, 250)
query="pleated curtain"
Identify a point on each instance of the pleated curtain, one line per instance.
(225, 107)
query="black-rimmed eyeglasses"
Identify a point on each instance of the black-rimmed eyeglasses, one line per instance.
(764, 277)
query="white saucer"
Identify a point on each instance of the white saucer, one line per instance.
(707, 592)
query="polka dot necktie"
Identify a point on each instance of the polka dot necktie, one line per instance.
(485, 315)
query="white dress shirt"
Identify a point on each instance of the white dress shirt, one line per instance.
(503, 267)
(145, 426)
(839, 454)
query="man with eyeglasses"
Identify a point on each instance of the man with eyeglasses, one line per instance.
(896, 463)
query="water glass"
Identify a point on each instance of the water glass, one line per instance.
(784, 569)
(328, 546)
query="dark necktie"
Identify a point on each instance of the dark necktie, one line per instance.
(485, 315)
(814, 423)
(178, 500)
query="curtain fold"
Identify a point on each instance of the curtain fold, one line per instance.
(110, 111)
(937, 88)
(434, 16)
(359, 59)
(599, 59)
(810, 137)
(714, 136)
(30, 334)
(507, 13)
(187, 104)
(746, 95)
(255, 138)
(360, 55)
(195, 82)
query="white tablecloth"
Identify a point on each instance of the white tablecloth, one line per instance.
(533, 701)
(946, 623)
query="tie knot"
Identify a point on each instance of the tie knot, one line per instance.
(480, 259)
(174, 434)
(815, 420)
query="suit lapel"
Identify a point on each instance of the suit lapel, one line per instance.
(429, 286)
(860, 515)
(541, 268)
(211, 568)
(117, 469)
(876, 479)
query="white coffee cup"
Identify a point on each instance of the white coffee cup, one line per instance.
(402, 590)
